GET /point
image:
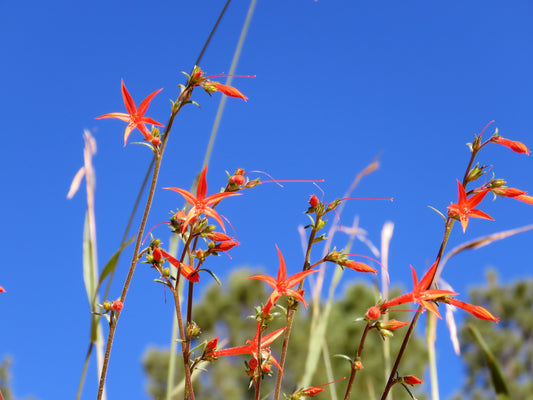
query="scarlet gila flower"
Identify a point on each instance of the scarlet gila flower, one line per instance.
(476, 311)
(420, 293)
(251, 347)
(282, 285)
(508, 192)
(198, 78)
(187, 271)
(392, 324)
(135, 116)
(313, 391)
(225, 246)
(200, 203)
(464, 208)
(525, 198)
(412, 380)
(2, 290)
(517, 147)
(359, 266)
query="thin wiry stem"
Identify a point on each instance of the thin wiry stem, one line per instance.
(112, 328)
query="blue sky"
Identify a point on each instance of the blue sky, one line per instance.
(338, 83)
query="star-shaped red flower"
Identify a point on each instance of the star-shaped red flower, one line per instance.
(251, 347)
(201, 204)
(464, 208)
(282, 285)
(135, 117)
(421, 294)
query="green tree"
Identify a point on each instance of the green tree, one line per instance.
(224, 311)
(510, 341)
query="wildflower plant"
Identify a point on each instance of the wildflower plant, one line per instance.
(204, 232)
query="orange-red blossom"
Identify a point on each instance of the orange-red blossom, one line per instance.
(200, 203)
(187, 271)
(282, 285)
(464, 208)
(198, 78)
(251, 347)
(420, 293)
(517, 147)
(135, 116)
(427, 297)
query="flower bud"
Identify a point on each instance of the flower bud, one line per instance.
(212, 344)
(392, 324)
(225, 246)
(117, 305)
(156, 254)
(373, 313)
(412, 380)
(238, 180)
(107, 306)
(475, 173)
(193, 330)
(358, 365)
(218, 236)
(313, 201)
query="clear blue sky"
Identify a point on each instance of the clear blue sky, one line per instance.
(338, 82)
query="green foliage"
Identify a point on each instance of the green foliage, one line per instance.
(223, 312)
(510, 341)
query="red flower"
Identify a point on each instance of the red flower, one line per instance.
(313, 201)
(476, 311)
(135, 117)
(525, 198)
(412, 380)
(251, 347)
(282, 285)
(508, 192)
(198, 78)
(187, 271)
(421, 294)
(211, 345)
(225, 246)
(464, 208)
(359, 266)
(313, 391)
(200, 204)
(2, 290)
(514, 145)
(229, 90)
(392, 324)
(218, 236)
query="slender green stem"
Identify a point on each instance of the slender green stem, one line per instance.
(291, 311)
(355, 368)
(188, 392)
(184, 95)
(258, 374)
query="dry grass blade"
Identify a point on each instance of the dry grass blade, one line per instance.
(479, 243)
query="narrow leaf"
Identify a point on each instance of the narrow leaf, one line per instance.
(497, 378)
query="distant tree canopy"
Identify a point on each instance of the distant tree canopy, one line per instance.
(510, 341)
(223, 312)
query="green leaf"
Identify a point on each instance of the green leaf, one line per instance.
(111, 265)
(89, 267)
(438, 212)
(497, 378)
